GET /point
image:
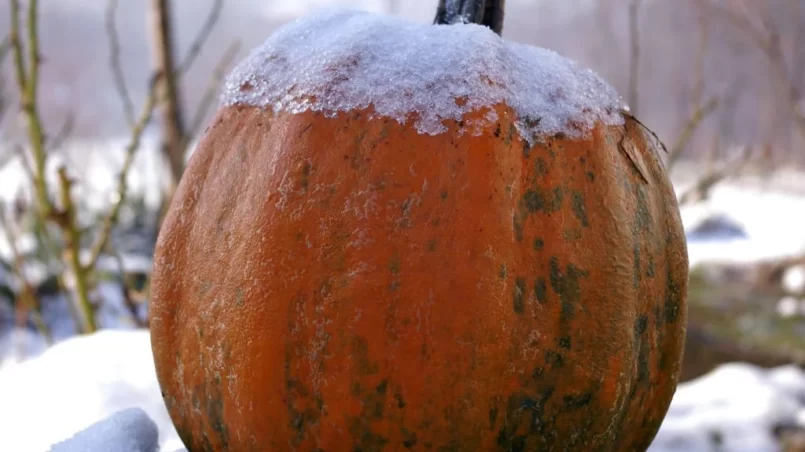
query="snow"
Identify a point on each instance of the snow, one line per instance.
(773, 219)
(76, 383)
(130, 430)
(737, 406)
(339, 60)
(794, 279)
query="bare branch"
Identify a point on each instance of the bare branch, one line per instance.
(65, 131)
(114, 62)
(16, 45)
(173, 125)
(212, 88)
(767, 39)
(699, 114)
(28, 79)
(126, 292)
(701, 189)
(29, 302)
(634, 58)
(5, 46)
(203, 34)
(122, 186)
(72, 245)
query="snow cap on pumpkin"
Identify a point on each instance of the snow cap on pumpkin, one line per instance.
(341, 60)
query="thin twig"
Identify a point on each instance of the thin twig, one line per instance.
(65, 131)
(701, 189)
(634, 56)
(28, 299)
(125, 291)
(28, 79)
(696, 118)
(16, 45)
(114, 62)
(203, 34)
(768, 41)
(213, 85)
(5, 47)
(131, 149)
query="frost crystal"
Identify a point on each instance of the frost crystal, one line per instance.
(342, 60)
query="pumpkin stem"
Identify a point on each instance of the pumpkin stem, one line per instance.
(482, 12)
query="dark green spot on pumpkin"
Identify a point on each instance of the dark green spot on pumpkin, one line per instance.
(540, 167)
(673, 299)
(409, 438)
(576, 402)
(394, 265)
(539, 244)
(535, 200)
(541, 290)
(554, 360)
(571, 235)
(564, 342)
(643, 218)
(517, 225)
(567, 284)
(503, 272)
(519, 296)
(578, 208)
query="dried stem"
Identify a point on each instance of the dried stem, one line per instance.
(72, 252)
(126, 293)
(28, 79)
(28, 300)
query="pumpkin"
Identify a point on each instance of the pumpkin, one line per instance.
(396, 236)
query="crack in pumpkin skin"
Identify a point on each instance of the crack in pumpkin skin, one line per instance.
(326, 289)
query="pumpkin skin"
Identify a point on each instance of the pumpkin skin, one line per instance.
(348, 283)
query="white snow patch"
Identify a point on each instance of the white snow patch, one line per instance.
(734, 408)
(76, 383)
(773, 218)
(789, 307)
(794, 279)
(340, 60)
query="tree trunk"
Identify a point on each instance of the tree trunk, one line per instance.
(172, 141)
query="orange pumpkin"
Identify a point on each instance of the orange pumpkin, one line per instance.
(353, 264)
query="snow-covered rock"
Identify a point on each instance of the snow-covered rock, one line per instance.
(717, 227)
(129, 430)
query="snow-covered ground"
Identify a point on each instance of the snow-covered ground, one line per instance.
(46, 396)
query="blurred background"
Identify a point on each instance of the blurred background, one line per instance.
(86, 170)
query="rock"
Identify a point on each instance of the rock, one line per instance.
(717, 227)
(129, 430)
